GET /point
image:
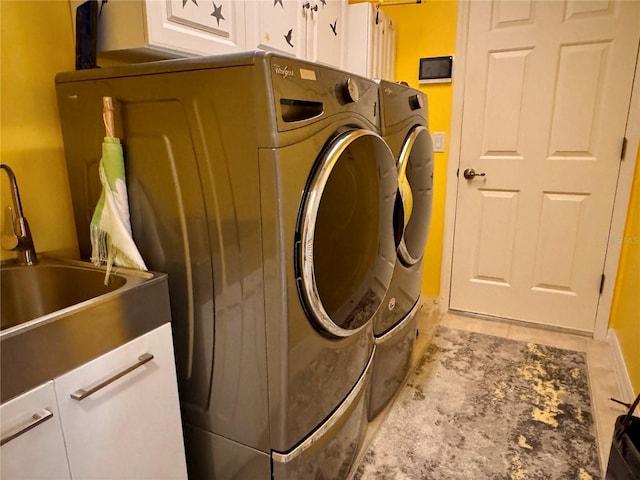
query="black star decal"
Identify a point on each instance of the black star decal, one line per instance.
(333, 27)
(288, 37)
(217, 13)
(184, 2)
(275, 2)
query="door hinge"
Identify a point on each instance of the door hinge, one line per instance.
(601, 283)
(623, 150)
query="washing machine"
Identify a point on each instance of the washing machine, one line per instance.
(259, 184)
(404, 126)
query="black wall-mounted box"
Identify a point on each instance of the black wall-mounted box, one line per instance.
(435, 70)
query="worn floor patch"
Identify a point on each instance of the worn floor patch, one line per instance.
(484, 407)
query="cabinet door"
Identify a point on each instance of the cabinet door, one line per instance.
(196, 27)
(278, 25)
(176, 27)
(377, 44)
(32, 444)
(382, 46)
(129, 427)
(328, 22)
(359, 37)
(388, 57)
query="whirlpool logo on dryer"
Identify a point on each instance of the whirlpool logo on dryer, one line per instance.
(283, 71)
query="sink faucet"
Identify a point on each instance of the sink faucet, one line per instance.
(23, 241)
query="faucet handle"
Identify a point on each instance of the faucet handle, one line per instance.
(9, 238)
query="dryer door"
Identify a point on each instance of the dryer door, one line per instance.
(415, 181)
(344, 238)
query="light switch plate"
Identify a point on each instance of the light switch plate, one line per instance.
(438, 141)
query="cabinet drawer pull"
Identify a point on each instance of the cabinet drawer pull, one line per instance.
(84, 393)
(37, 418)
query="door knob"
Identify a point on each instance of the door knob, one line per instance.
(469, 173)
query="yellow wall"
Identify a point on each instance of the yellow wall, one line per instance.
(625, 310)
(36, 42)
(429, 30)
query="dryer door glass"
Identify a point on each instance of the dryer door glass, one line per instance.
(415, 179)
(345, 246)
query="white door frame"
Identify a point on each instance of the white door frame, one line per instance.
(622, 195)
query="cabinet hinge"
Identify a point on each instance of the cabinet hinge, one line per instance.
(601, 283)
(457, 172)
(623, 150)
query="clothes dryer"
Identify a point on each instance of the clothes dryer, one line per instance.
(259, 183)
(404, 126)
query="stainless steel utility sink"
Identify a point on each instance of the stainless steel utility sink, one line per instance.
(59, 314)
(31, 292)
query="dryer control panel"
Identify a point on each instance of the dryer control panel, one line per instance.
(397, 102)
(304, 91)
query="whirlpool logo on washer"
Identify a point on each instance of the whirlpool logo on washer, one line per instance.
(283, 71)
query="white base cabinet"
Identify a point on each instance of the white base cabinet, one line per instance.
(32, 443)
(129, 428)
(117, 416)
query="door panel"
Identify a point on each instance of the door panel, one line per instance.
(560, 227)
(578, 93)
(508, 12)
(505, 89)
(547, 92)
(496, 233)
(577, 8)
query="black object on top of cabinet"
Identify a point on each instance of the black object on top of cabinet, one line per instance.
(87, 34)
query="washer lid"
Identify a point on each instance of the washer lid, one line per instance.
(345, 248)
(415, 180)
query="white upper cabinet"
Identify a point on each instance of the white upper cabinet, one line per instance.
(131, 29)
(388, 48)
(328, 32)
(371, 42)
(278, 25)
(310, 29)
(196, 26)
(142, 30)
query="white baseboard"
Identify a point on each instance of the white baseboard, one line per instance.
(443, 305)
(620, 368)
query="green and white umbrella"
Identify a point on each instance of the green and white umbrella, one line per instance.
(111, 239)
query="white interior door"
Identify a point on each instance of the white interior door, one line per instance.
(547, 91)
